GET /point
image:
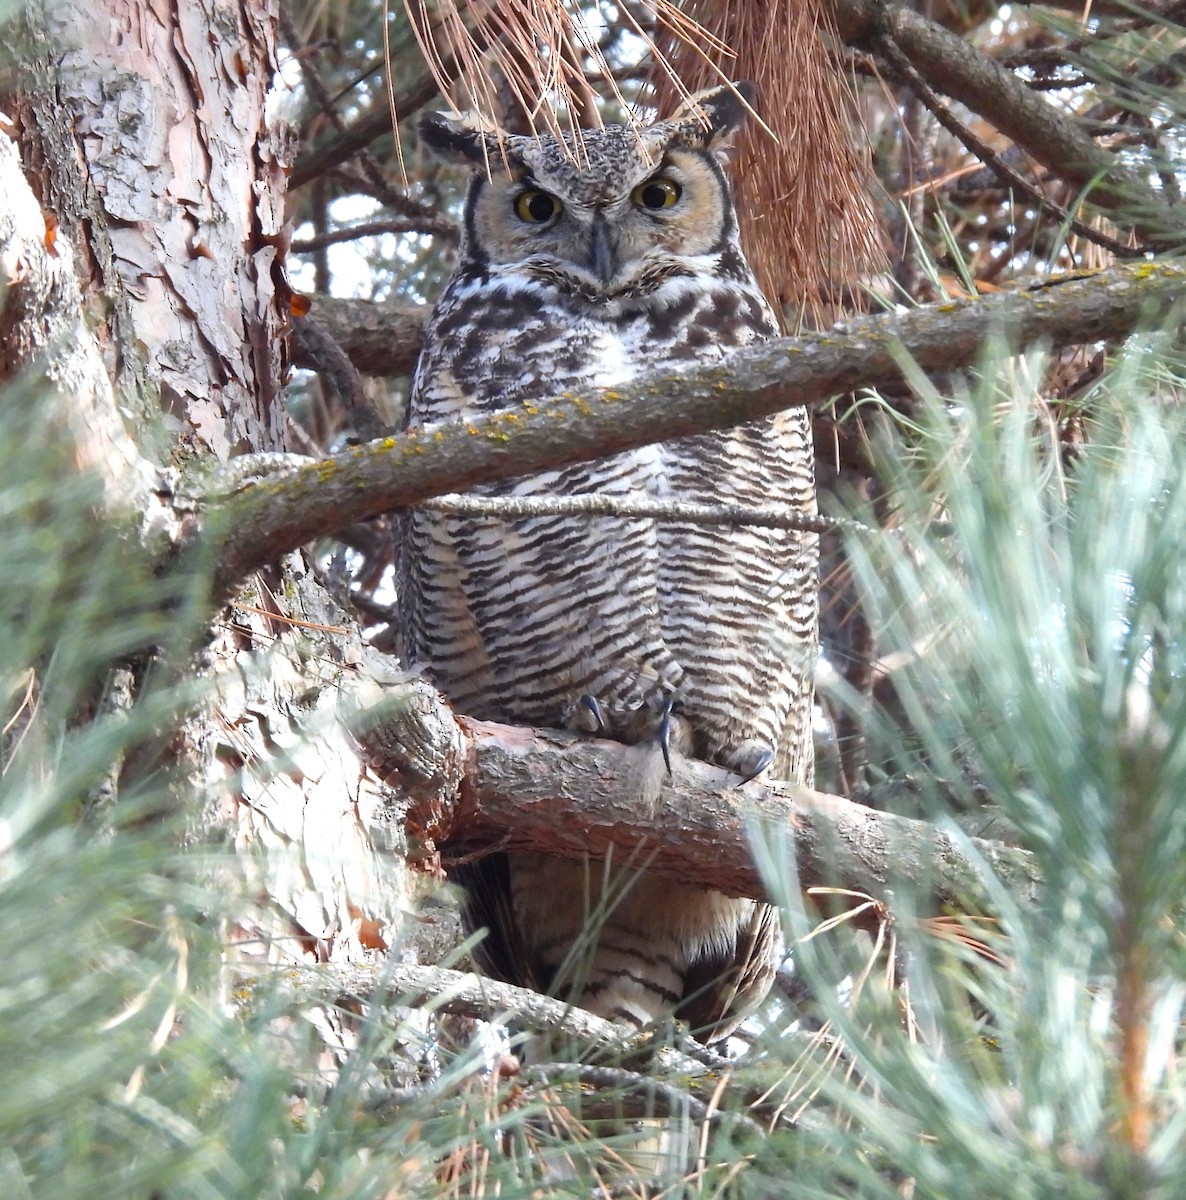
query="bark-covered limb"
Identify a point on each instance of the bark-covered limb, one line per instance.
(900, 66)
(444, 990)
(361, 133)
(351, 233)
(378, 338)
(400, 201)
(140, 132)
(318, 347)
(285, 511)
(462, 994)
(547, 792)
(955, 67)
(680, 1079)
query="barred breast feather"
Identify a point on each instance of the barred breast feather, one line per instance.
(518, 620)
(738, 605)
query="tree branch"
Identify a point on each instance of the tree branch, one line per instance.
(398, 200)
(956, 68)
(547, 792)
(378, 338)
(463, 994)
(899, 65)
(361, 132)
(440, 988)
(550, 793)
(352, 233)
(262, 519)
(691, 1074)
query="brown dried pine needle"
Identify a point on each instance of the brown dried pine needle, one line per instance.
(807, 220)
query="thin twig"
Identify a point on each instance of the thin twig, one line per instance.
(411, 223)
(381, 185)
(1058, 85)
(428, 219)
(672, 512)
(633, 1095)
(955, 67)
(441, 988)
(1143, 12)
(900, 65)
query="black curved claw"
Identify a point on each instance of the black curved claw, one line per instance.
(751, 770)
(589, 703)
(665, 724)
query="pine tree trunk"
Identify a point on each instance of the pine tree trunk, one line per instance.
(146, 133)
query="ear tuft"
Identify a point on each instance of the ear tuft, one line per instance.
(727, 107)
(711, 118)
(459, 137)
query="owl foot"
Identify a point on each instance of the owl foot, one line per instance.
(749, 761)
(654, 720)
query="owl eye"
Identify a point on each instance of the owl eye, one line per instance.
(537, 208)
(656, 193)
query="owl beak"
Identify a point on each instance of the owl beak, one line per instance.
(602, 260)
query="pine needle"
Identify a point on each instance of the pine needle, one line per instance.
(807, 220)
(530, 53)
(522, 64)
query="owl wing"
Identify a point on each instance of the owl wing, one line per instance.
(738, 611)
(738, 603)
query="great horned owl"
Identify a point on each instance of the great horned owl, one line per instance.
(585, 265)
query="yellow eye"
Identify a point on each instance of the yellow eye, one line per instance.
(537, 208)
(656, 193)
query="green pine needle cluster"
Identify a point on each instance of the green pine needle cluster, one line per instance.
(1035, 594)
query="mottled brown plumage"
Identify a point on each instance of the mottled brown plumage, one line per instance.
(588, 266)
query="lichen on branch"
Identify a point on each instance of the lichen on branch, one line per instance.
(271, 516)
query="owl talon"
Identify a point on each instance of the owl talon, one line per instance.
(590, 705)
(665, 726)
(752, 763)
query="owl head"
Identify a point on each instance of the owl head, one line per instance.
(623, 204)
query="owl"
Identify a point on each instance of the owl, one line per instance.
(584, 264)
